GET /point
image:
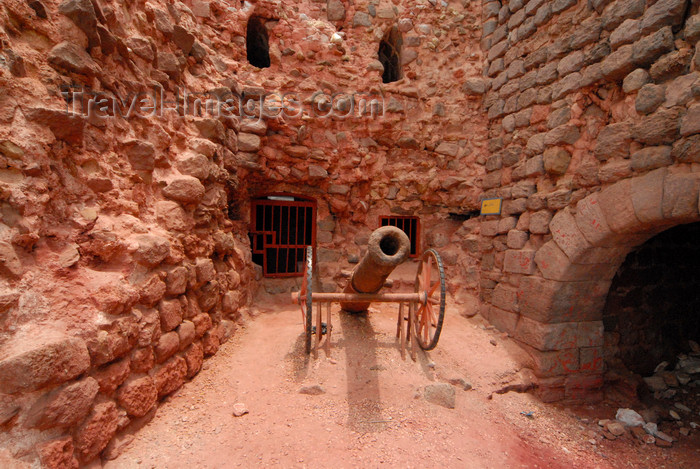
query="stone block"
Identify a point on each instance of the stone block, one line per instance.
(151, 250)
(649, 98)
(166, 347)
(45, 362)
(566, 85)
(619, 63)
(590, 334)
(489, 227)
(249, 142)
(591, 359)
(546, 337)
(514, 207)
(504, 321)
(661, 127)
(170, 376)
(505, 297)
(555, 265)
(556, 160)
(616, 204)
(671, 65)
(568, 237)
(691, 31)
(57, 454)
(535, 144)
(170, 314)
(138, 395)
(615, 169)
(186, 333)
(680, 199)
(549, 301)
(586, 33)
(543, 14)
(10, 265)
(539, 222)
(94, 434)
(172, 216)
(194, 357)
(663, 13)
(111, 376)
(185, 189)
(647, 196)
(690, 123)
(679, 92)
(555, 363)
(629, 31)
(506, 224)
(211, 341)
(65, 406)
(564, 134)
(519, 262)
(547, 74)
(687, 150)
(517, 239)
(591, 220)
(176, 281)
(635, 80)
(649, 48)
(651, 158)
(617, 12)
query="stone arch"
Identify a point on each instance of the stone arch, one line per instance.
(560, 305)
(390, 55)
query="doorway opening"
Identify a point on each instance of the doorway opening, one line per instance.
(390, 55)
(257, 46)
(651, 312)
(282, 226)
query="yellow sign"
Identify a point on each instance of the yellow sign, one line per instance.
(491, 206)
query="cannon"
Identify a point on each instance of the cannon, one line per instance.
(388, 247)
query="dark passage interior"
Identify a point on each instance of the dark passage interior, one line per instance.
(390, 55)
(257, 47)
(653, 306)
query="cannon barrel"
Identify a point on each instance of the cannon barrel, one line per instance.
(388, 247)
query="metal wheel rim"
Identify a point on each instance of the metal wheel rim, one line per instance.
(428, 321)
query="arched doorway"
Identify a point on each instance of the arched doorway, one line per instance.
(560, 306)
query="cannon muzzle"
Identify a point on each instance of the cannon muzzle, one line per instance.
(388, 247)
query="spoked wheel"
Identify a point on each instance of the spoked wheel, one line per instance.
(305, 298)
(430, 279)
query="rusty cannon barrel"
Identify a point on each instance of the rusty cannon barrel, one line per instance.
(388, 247)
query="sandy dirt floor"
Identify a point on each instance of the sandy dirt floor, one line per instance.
(372, 412)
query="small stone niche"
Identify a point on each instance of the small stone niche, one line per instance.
(390, 55)
(257, 45)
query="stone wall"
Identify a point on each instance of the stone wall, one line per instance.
(124, 247)
(593, 123)
(416, 159)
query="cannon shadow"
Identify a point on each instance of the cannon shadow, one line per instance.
(360, 344)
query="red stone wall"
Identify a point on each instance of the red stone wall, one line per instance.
(593, 123)
(124, 247)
